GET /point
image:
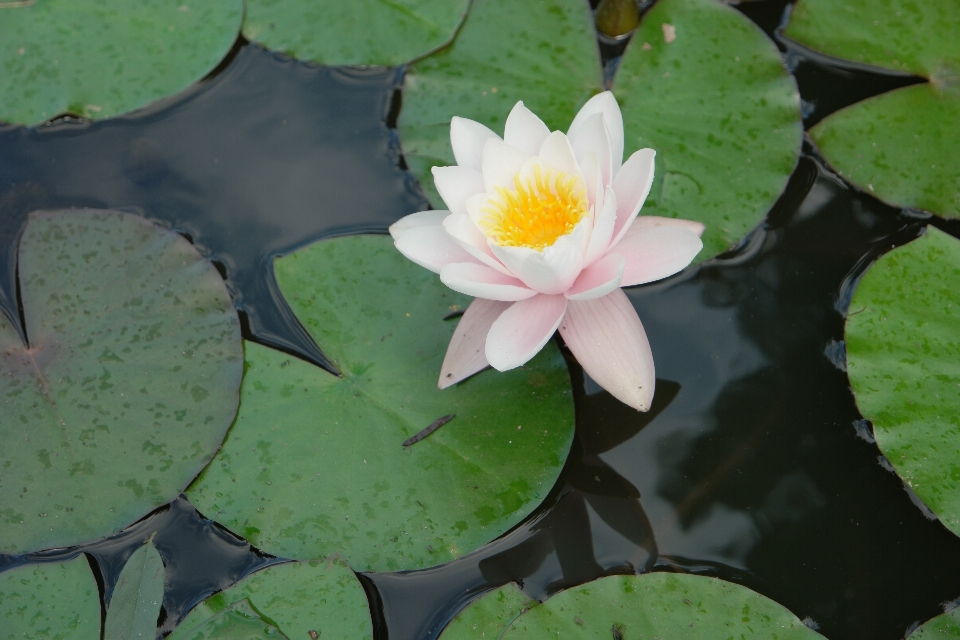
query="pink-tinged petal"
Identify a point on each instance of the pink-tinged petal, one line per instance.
(602, 229)
(606, 104)
(525, 130)
(590, 168)
(553, 270)
(466, 354)
(522, 330)
(632, 185)
(465, 233)
(592, 137)
(467, 138)
(599, 279)
(415, 220)
(501, 162)
(610, 344)
(647, 222)
(432, 248)
(556, 153)
(657, 252)
(481, 281)
(456, 184)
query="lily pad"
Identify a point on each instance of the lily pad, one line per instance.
(903, 360)
(315, 465)
(945, 626)
(723, 114)
(127, 386)
(294, 600)
(137, 598)
(488, 615)
(383, 32)
(899, 145)
(101, 59)
(50, 601)
(544, 53)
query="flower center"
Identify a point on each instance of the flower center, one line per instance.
(538, 211)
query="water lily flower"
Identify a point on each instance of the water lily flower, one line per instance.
(543, 230)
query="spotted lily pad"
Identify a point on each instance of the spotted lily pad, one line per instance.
(50, 601)
(135, 604)
(706, 88)
(945, 626)
(315, 465)
(488, 615)
(384, 32)
(900, 145)
(544, 53)
(100, 59)
(128, 383)
(295, 600)
(903, 359)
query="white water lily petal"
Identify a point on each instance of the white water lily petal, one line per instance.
(603, 224)
(432, 248)
(479, 280)
(465, 233)
(632, 185)
(475, 206)
(606, 104)
(657, 252)
(525, 130)
(456, 184)
(466, 354)
(522, 330)
(641, 223)
(598, 279)
(415, 220)
(501, 162)
(592, 137)
(590, 168)
(467, 138)
(556, 153)
(552, 270)
(609, 342)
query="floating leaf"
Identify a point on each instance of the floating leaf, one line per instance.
(50, 601)
(127, 386)
(901, 145)
(383, 32)
(944, 627)
(296, 598)
(903, 359)
(544, 53)
(488, 615)
(314, 464)
(659, 605)
(105, 58)
(135, 604)
(721, 111)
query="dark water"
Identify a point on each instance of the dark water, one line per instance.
(753, 466)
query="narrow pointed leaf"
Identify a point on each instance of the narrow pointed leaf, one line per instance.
(137, 597)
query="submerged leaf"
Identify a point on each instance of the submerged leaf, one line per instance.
(50, 601)
(137, 597)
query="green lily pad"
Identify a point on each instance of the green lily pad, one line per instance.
(544, 53)
(488, 615)
(903, 360)
(315, 464)
(50, 601)
(899, 145)
(285, 601)
(135, 604)
(384, 32)
(945, 626)
(101, 59)
(129, 382)
(721, 111)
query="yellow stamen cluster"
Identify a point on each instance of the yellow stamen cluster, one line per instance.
(538, 210)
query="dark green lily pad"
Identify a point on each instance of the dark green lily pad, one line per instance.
(285, 601)
(488, 615)
(900, 145)
(101, 59)
(903, 359)
(544, 53)
(129, 382)
(314, 464)
(384, 32)
(659, 605)
(50, 601)
(135, 604)
(721, 111)
(945, 626)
